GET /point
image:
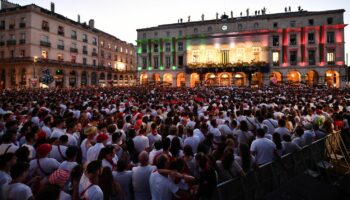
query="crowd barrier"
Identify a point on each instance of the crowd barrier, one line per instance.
(256, 184)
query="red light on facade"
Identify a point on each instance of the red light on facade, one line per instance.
(339, 37)
(321, 64)
(340, 62)
(302, 64)
(284, 64)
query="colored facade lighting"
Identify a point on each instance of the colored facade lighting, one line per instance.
(173, 67)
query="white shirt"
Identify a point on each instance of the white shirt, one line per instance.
(290, 147)
(17, 191)
(64, 196)
(92, 152)
(57, 133)
(271, 124)
(153, 138)
(282, 131)
(140, 181)
(153, 154)
(68, 166)
(72, 140)
(198, 133)
(5, 179)
(93, 193)
(124, 179)
(162, 188)
(56, 153)
(193, 142)
(48, 165)
(3, 147)
(263, 149)
(141, 143)
(32, 152)
(83, 150)
(47, 130)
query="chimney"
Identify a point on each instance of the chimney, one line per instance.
(78, 18)
(52, 7)
(92, 23)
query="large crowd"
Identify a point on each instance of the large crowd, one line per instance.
(153, 143)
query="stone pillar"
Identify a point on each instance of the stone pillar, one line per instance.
(65, 79)
(8, 78)
(88, 77)
(78, 78)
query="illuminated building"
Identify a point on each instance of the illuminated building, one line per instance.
(41, 48)
(291, 47)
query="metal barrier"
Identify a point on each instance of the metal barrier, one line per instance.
(271, 176)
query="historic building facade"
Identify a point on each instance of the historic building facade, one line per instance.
(40, 48)
(291, 48)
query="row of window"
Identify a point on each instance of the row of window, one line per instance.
(116, 48)
(156, 47)
(256, 25)
(168, 62)
(293, 39)
(293, 57)
(12, 24)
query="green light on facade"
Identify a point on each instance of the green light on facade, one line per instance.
(139, 68)
(173, 67)
(149, 68)
(161, 68)
(139, 50)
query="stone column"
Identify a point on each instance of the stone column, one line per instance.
(78, 78)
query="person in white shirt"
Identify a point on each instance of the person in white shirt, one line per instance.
(16, 190)
(8, 145)
(108, 157)
(29, 144)
(94, 151)
(140, 177)
(270, 123)
(71, 129)
(88, 184)
(153, 136)
(191, 140)
(281, 129)
(6, 162)
(124, 178)
(141, 142)
(309, 134)
(90, 133)
(244, 136)
(157, 150)
(71, 155)
(59, 149)
(262, 148)
(201, 132)
(162, 188)
(47, 126)
(43, 166)
(58, 130)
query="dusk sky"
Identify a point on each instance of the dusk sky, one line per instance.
(122, 17)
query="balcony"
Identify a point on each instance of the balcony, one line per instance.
(94, 43)
(60, 32)
(22, 41)
(22, 25)
(93, 54)
(2, 43)
(45, 28)
(11, 26)
(85, 40)
(11, 42)
(60, 47)
(74, 50)
(45, 44)
(85, 52)
(293, 63)
(331, 62)
(74, 37)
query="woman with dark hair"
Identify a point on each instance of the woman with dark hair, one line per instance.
(107, 156)
(108, 185)
(228, 167)
(244, 135)
(75, 176)
(247, 160)
(276, 138)
(49, 191)
(176, 149)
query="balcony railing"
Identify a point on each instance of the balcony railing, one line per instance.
(45, 28)
(74, 37)
(93, 54)
(22, 41)
(60, 33)
(85, 52)
(85, 40)
(60, 47)
(22, 25)
(331, 62)
(11, 42)
(74, 50)
(45, 44)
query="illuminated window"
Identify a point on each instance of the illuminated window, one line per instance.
(330, 57)
(276, 58)
(256, 49)
(121, 49)
(102, 43)
(224, 56)
(240, 53)
(60, 57)
(44, 54)
(256, 52)
(195, 56)
(210, 56)
(109, 46)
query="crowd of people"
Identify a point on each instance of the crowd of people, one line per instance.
(153, 143)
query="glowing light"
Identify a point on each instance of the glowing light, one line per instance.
(224, 76)
(139, 68)
(161, 68)
(212, 76)
(217, 46)
(329, 74)
(232, 45)
(149, 68)
(238, 76)
(174, 67)
(120, 66)
(293, 75)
